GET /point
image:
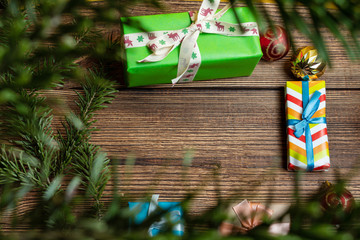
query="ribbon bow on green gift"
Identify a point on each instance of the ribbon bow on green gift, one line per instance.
(190, 58)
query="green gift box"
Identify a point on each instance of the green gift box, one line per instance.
(221, 56)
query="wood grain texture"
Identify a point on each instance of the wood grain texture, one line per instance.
(235, 128)
(237, 137)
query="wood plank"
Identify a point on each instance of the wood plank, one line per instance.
(240, 133)
(235, 127)
(343, 73)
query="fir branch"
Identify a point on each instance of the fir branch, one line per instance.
(29, 129)
(27, 125)
(49, 73)
(92, 166)
(12, 169)
(97, 92)
(86, 35)
(19, 168)
(85, 159)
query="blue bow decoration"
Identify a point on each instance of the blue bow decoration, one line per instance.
(174, 216)
(301, 126)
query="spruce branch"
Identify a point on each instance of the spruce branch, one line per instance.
(12, 168)
(97, 92)
(49, 73)
(40, 158)
(18, 168)
(91, 166)
(85, 160)
(27, 125)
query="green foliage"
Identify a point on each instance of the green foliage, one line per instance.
(40, 156)
(27, 126)
(41, 42)
(15, 167)
(38, 52)
(55, 215)
(97, 92)
(29, 129)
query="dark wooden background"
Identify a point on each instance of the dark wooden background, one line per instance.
(234, 129)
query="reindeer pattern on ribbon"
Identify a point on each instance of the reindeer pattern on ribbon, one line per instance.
(205, 21)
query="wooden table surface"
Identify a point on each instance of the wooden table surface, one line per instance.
(234, 129)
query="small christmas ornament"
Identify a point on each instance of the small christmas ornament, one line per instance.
(274, 44)
(306, 64)
(330, 199)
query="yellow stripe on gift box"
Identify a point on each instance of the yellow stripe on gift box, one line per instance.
(297, 149)
(292, 117)
(297, 156)
(292, 114)
(321, 150)
(321, 155)
(317, 150)
(311, 125)
(300, 153)
(316, 86)
(295, 85)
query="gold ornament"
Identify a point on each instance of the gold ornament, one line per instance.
(307, 64)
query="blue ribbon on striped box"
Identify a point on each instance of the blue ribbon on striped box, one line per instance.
(310, 107)
(173, 217)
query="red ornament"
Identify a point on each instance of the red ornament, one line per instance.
(331, 199)
(274, 45)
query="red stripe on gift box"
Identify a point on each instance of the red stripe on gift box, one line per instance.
(319, 134)
(291, 133)
(292, 167)
(323, 167)
(299, 102)
(322, 98)
(294, 100)
(314, 137)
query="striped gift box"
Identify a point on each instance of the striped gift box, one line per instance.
(298, 158)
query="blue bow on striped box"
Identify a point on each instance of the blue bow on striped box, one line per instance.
(142, 210)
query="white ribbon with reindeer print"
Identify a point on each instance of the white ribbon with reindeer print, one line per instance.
(164, 42)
